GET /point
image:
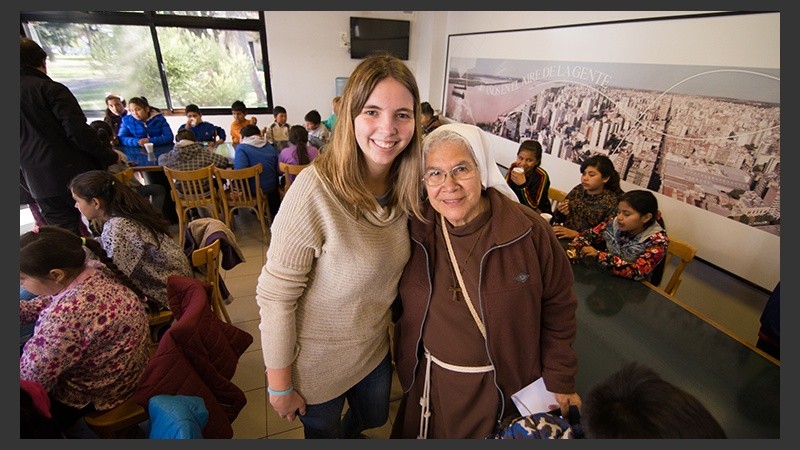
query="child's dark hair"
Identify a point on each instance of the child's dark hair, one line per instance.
(644, 202)
(119, 200)
(192, 108)
(313, 117)
(249, 130)
(104, 132)
(636, 403)
(277, 110)
(238, 106)
(142, 102)
(185, 134)
(298, 135)
(531, 146)
(606, 168)
(50, 247)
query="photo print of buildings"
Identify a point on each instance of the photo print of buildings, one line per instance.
(706, 136)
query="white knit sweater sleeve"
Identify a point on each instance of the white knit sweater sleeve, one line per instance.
(296, 240)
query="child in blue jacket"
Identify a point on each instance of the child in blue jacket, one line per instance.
(144, 124)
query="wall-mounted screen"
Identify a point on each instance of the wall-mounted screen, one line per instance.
(368, 36)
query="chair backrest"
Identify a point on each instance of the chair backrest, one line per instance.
(555, 196)
(685, 252)
(241, 188)
(124, 176)
(192, 189)
(291, 170)
(207, 260)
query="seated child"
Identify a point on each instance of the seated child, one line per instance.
(134, 234)
(318, 134)
(331, 120)
(299, 152)
(634, 242)
(533, 184)
(636, 403)
(239, 111)
(592, 201)
(189, 155)
(143, 124)
(277, 133)
(203, 131)
(254, 149)
(90, 343)
(115, 109)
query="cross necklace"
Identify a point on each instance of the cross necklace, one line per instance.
(455, 287)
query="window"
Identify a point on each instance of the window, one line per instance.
(174, 58)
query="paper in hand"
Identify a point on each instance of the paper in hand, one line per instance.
(534, 398)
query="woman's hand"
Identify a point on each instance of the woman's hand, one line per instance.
(589, 251)
(289, 405)
(143, 141)
(565, 400)
(563, 232)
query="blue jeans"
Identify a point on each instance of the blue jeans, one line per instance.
(368, 407)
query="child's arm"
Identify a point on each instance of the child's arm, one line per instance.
(220, 133)
(126, 137)
(159, 131)
(653, 254)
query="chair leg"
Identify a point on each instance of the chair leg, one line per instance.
(260, 211)
(181, 225)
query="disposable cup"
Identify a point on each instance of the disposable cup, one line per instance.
(519, 170)
(149, 147)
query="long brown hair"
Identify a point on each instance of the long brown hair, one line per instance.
(342, 165)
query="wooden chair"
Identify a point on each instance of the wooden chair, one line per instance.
(555, 196)
(206, 260)
(192, 189)
(120, 422)
(158, 320)
(291, 170)
(125, 176)
(234, 188)
(685, 253)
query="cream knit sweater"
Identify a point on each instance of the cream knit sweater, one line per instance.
(326, 289)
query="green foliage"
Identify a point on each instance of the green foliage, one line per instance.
(204, 69)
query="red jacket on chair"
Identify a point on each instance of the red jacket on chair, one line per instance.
(197, 356)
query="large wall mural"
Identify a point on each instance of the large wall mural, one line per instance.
(708, 136)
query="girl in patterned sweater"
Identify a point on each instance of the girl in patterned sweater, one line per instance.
(635, 241)
(134, 234)
(591, 202)
(90, 342)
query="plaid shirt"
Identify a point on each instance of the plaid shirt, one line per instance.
(189, 155)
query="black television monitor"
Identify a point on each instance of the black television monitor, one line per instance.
(368, 36)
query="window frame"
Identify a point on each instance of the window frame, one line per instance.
(152, 19)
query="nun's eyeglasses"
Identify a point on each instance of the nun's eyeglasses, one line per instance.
(435, 177)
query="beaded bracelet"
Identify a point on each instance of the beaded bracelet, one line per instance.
(279, 393)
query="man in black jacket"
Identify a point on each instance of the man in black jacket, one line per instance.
(56, 143)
